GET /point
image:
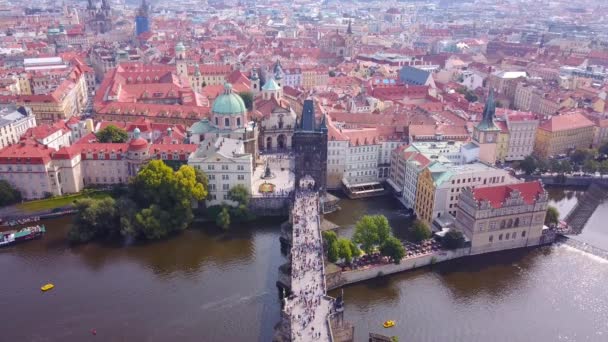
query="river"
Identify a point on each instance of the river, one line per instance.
(209, 285)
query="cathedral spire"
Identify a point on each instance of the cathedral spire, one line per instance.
(349, 30)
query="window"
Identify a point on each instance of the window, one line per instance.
(491, 238)
(225, 186)
(523, 234)
(240, 177)
(507, 236)
(211, 177)
(226, 122)
(500, 237)
(210, 167)
(240, 167)
(225, 177)
(217, 122)
(224, 167)
(238, 122)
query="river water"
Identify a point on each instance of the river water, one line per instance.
(208, 285)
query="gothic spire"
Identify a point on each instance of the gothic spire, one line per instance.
(349, 30)
(489, 112)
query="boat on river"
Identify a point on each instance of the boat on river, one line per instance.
(389, 324)
(15, 236)
(47, 287)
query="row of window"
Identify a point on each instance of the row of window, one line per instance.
(211, 167)
(507, 236)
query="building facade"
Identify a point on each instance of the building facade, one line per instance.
(562, 133)
(14, 123)
(502, 217)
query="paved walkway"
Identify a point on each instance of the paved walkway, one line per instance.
(308, 307)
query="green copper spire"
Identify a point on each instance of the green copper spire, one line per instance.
(489, 112)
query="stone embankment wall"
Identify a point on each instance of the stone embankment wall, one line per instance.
(340, 279)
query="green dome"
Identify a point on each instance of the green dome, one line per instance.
(229, 103)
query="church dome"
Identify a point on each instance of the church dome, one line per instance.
(180, 47)
(137, 144)
(229, 103)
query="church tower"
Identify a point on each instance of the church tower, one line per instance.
(278, 73)
(255, 81)
(181, 63)
(349, 41)
(485, 134)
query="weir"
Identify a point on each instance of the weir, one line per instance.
(586, 206)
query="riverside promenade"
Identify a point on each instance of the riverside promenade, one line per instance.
(308, 307)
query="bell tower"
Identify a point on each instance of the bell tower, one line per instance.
(485, 134)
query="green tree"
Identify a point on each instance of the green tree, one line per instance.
(528, 165)
(240, 194)
(566, 166)
(8, 194)
(371, 231)
(452, 239)
(223, 219)
(344, 250)
(112, 134)
(329, 236)
(591, 166)
(332, 73)
(552, 217)
(555, 166)
(393, 248)
(470, 96)
(603, 149)
(581, 155)
(542, 165)
(604, 167)
(94, 219)
(420, 231)
(162, 199)
(247, 97)
(333, 251)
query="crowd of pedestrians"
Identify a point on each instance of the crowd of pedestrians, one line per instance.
(308, 306)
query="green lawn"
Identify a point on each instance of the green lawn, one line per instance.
(58, 202)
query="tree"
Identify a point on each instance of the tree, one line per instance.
(566, 166)
(552, 217)
(452, 239)
(528, 165)
(371, 231)
(223, 219)
(604, 167)
(247, 97)
(591, 166)
(112, 134)
(470, 96)
(393, 248)
(332, 73)
(555, 166)
(240, 194)
(420, 231)
(329, 236)
(603, 149)
(333, 251)
(344, 250)
(8, 194)
(580, 155)
(542, 165)
(95, 218)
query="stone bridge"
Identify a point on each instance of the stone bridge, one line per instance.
(308, 314)
(585, 207)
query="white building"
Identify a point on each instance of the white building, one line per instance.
(522, 135)
(226, 164)
(14, 122)
(455, 178)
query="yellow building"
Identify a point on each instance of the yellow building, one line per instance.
(562, 133)
(502, 143)
(425, 196)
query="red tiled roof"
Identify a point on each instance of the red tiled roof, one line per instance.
(565, 122)
(497, 195)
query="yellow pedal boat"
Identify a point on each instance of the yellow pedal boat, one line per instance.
(47, 287)
(389, 324)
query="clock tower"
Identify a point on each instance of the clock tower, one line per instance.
(486, 132)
